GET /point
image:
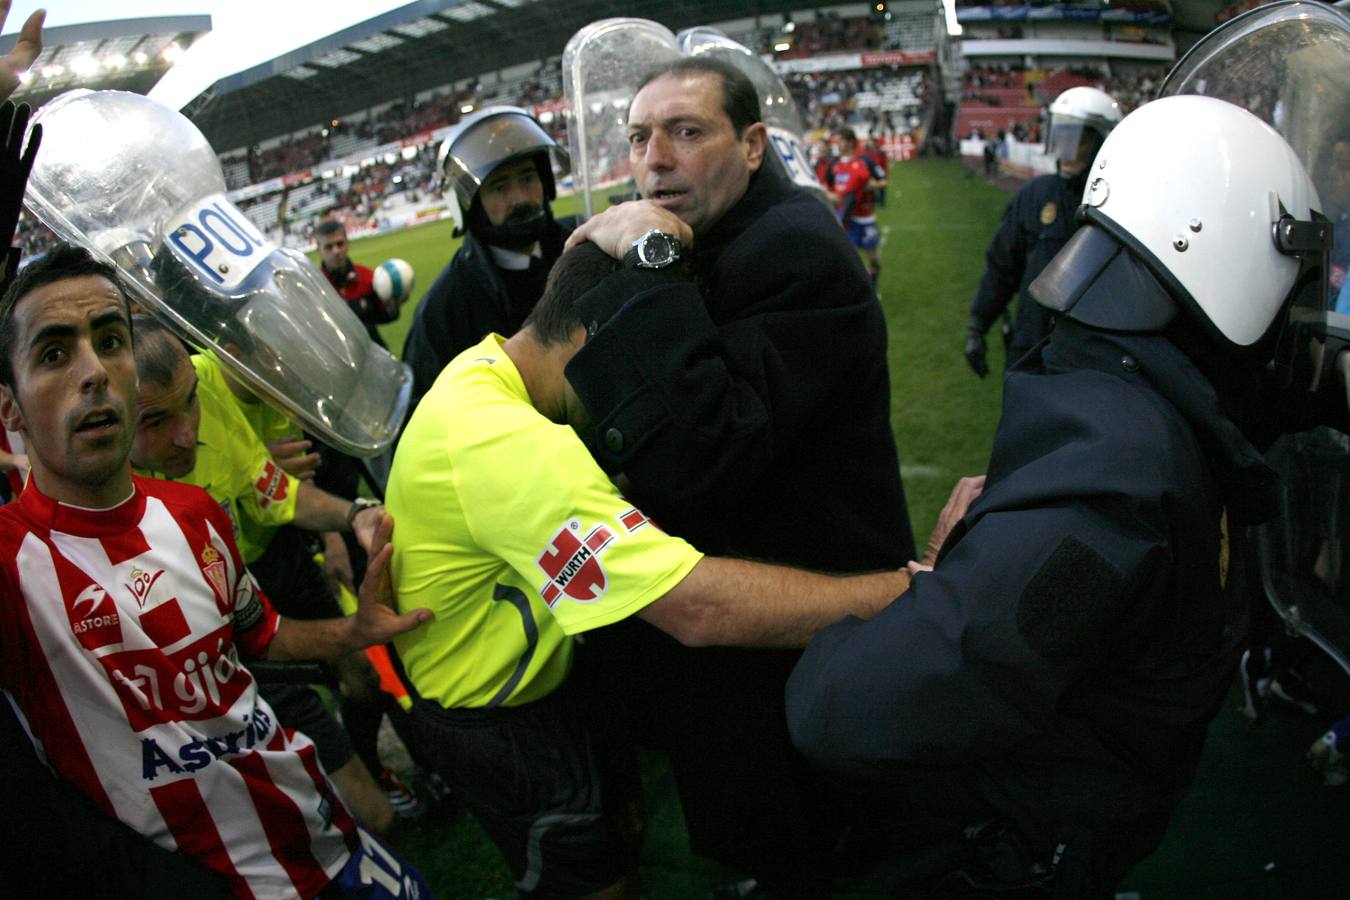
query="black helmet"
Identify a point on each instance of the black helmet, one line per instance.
(484, 140)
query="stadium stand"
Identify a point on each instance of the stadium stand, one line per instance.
(368, 129)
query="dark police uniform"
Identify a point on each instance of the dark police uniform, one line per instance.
(1060, 665)
(1037, 223)
(472, 298)
(747, 404)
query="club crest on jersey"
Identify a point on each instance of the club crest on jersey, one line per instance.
(214, 569)
(572, 564)
(272, 485)
(141, 583)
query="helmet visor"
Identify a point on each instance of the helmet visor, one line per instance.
(1074, 140)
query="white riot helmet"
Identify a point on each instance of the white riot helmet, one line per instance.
(1193, 206)
(1080, 119)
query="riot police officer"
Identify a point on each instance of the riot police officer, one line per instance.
(498, 162)
(1037, 223)
(1058, 667)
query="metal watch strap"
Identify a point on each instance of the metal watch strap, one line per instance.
(354, 510)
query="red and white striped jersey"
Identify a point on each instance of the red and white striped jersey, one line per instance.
(120, 637)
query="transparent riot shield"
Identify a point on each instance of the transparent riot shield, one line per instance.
(137, 184)
(1302, 553)
(602, 65)
(1288, 63)
(776, 106)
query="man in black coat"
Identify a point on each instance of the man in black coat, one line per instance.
(498, 162)
(1037, 223)
(1059, 666)
(737, 384)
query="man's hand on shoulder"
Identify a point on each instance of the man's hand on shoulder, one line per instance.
(615, 229)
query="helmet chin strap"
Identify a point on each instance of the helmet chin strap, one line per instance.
(518, 232)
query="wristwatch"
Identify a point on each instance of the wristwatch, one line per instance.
(354, 510)
(653, 250)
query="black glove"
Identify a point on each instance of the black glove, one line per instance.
(975, 351)
(15, 164)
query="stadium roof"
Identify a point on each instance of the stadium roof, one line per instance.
(418, 47)
(122, 55)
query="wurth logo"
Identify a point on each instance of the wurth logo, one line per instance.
(272, 485)
(572, 564)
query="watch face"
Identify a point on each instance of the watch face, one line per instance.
(656, 249)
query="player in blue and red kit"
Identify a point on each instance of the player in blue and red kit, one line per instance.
(853, 179)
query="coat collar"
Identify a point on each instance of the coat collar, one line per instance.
(766, 189)
(1247, 482)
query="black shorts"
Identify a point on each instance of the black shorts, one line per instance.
(298, 706)
(553, 785)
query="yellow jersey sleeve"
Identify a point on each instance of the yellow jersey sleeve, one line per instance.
(533, 496)
(262, 494)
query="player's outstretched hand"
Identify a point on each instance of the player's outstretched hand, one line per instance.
(293, 454)
(964, 494)
(26, 49)
(376, 621)
(615, 229)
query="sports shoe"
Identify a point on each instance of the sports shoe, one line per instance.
(1289, 687)
(735, 890)
(401, 798)
(432, 788)
(1330, 754)
(1253, 672)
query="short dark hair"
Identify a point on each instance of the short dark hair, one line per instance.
(57, 264)
(158, 350)
(740, 101)
(327, 227)
(558, 313)
(847, 135)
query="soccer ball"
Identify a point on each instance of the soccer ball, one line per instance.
(393, 283)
